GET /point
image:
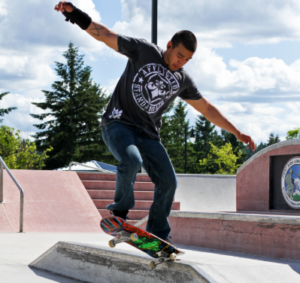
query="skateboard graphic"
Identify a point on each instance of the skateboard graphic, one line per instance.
(142, 240)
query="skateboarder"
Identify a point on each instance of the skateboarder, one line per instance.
(152, 79)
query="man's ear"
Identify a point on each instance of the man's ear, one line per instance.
(169, 45)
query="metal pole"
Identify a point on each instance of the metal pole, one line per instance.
(185, 137)
(1, 183)
(21, 212)
(154, 21)
(21, 192)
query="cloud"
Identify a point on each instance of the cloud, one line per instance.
(38, 35)
(216, 23)
(35, 23)
(3, 10)
(257, 94)
(219, 23)
(20, 119)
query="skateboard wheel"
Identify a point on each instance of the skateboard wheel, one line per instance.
(111, 243)
(173, 256)
(134, 237)
(152, 264)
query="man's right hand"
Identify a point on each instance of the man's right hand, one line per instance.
(62, 6)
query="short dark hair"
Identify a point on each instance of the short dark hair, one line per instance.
(187, 38)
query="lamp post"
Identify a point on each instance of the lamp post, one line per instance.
(192, 138)
(154, 21)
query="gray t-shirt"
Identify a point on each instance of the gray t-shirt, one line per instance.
(147, 87)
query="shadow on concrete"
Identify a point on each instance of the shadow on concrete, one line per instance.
(52, 276)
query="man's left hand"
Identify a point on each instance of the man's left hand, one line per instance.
(247, 140)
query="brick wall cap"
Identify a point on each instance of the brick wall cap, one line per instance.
(268, 149)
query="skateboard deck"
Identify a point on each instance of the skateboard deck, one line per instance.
(140, 239)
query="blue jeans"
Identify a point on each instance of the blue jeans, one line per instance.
(133, 148)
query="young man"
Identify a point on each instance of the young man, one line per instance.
(153, 78)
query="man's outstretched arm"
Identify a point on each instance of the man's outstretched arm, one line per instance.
(96, 30)
(211, 113)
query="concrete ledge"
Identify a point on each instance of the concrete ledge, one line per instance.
(96, 264)
(234, 216)
(276, 236)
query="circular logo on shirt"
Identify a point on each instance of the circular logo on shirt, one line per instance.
(152, 86)
(290, 182)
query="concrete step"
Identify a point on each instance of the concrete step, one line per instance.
(110, 177)
(111, 185)
(139, 204)
(109, 194)
(133, 214)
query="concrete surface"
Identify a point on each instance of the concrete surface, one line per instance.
(17, 251)
(53, 202)
(201, 192)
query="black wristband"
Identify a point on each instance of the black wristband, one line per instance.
(78, 17)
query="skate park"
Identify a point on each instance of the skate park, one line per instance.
(232, 228)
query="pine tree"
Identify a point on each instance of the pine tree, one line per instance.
(173, 138)
(4, 111)
(72, 113)
(273, 139)
(205, 136)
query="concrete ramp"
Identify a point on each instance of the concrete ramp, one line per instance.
(54, 201)
(96, 264)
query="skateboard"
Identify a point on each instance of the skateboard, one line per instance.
(140, 239)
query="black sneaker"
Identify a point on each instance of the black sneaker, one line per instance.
(122, 214)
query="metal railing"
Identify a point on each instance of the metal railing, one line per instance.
(94, 168)
(3, 166)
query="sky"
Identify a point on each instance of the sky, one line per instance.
(247, 62)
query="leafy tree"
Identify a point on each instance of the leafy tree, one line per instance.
(273, 139)
(5, 110)
(74, 108)
(293, 134)
(18, 153)
(237, 146)
(221, 160)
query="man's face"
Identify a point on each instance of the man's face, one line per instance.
(177, 57)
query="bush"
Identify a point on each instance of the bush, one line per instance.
(18, 153)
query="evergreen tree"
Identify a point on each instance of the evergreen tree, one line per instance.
(72, 113)
(273, 139)
(205, 136)
(5, 110)
(249, 152)
(173, 138)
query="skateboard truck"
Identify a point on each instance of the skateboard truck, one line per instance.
(121, 237)
(162, 257)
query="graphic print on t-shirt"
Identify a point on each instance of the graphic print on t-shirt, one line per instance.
(152, 86)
